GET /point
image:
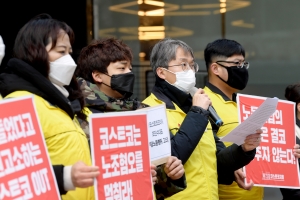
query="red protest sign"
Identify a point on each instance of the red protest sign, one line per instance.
(25, 169)
(274, 164)
(119, 145)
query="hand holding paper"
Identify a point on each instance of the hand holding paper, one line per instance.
(153, 174)
(240, 176)
(83, 175)
(174, 168)
(252, 141)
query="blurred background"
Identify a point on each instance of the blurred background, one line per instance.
(269, 30)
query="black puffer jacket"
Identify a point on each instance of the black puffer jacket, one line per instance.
(191, 130)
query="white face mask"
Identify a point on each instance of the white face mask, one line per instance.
(2, 49)
(185, 80)
(62, 70)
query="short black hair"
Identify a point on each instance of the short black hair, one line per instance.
(99, 54)
(222, 48)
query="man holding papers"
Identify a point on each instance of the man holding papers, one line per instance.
(228, 73)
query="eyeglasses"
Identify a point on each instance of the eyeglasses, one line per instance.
(242, 64)
(186, 66)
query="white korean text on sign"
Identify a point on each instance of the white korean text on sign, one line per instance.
(119, 143)
(25, 169)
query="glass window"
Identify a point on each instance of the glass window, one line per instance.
(268, 30)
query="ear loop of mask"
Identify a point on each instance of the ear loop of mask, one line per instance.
(220, 76)
(170, 72)
(105, 83)
(167, 70)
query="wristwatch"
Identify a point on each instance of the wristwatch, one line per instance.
(197, 109)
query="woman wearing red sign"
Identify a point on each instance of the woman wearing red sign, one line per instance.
(105, 77)
(292, 93)
(42, 66)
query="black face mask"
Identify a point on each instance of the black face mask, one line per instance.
(122, 83)
(237, 77)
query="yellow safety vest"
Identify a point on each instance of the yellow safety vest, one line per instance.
(201, 167)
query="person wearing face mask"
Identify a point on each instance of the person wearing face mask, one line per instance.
(227, 74)
(42, 67)
(205, 158)
(105, 78)
(68, 177)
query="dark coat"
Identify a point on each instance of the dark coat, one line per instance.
(184, 142)
(59, 175)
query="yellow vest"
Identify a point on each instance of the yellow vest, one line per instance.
(65, 140)
(201, 167)
(227, 110)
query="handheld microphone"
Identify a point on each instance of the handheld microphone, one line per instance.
(214, 117)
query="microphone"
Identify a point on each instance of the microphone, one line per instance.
(213, 116)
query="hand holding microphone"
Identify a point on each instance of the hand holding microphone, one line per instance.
(202, 100)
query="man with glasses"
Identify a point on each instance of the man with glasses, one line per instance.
(227, 74)
(206, 160)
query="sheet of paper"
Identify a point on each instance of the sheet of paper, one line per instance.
(253, 122)
(158, 133)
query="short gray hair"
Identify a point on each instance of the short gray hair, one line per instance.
(165, 50)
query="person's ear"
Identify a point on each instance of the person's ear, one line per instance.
(97, 77)
(214, 68)
(161, 73)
